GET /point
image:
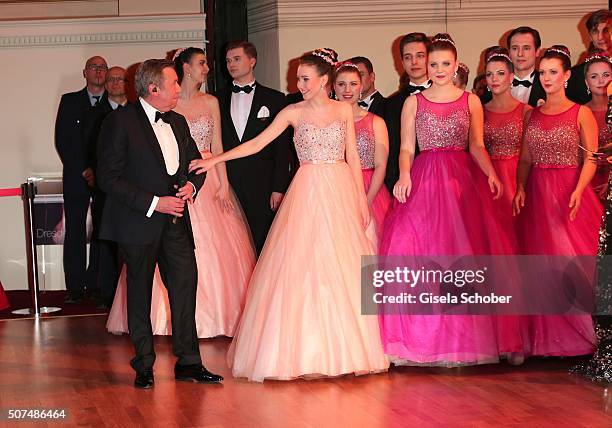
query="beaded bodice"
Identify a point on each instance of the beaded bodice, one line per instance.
(442, 126)
(503, 132)
(605, 132)
(366, 142)
(201, 130)
(553, 139)
(316, 144)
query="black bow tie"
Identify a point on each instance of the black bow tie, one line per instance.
(525, 83)
(246, 89)
(163, 116)
(362, 104)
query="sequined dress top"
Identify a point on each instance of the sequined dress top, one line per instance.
(553, 139)
(442, 126)
(201, 131)
(503, 132)
(316, 145)
(605, 133)
(366, 142)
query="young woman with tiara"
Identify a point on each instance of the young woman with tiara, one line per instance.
(598, 75)
(372, 141)
(302, 315)
(446, 209)
(223, 247)
(559, 212)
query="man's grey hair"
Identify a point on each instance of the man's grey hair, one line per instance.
(150, 72)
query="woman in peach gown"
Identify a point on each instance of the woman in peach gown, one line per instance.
(223, 246)
(302, 316)
(372, 142)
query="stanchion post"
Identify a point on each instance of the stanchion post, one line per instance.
(28, 192)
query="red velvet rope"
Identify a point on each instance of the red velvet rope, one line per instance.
(10, 192)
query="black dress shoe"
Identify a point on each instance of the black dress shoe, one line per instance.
(195, 373)
(73, 298)
(144, 379)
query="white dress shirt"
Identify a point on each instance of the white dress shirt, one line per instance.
(114, 106)
(94, 98)
(368, 100)
(425, 85)
(520, 92)
(240, 108)
(167, 143)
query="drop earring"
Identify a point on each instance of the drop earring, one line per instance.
(189, 75)
(455, 75)
(588, 91)
(565, 84)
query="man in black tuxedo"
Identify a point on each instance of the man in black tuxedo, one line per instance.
(103, 262)
(247, 108)
(413, 50)
(144, 152)
(371, 99)
(523, 45)
(77, 177)
(598, 26)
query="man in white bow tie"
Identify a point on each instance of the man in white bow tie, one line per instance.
(247, 108)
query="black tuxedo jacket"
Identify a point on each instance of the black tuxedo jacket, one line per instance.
(69, 141)
(537, 93)
(92, 122)
(576, 86)
(378, 105)
(270, 167)
(393, 119)
(131, 170)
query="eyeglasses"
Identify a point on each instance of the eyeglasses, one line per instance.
(116, 80)
(96, 67)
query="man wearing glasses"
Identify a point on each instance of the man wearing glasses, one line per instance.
(102, 273)
(77, 176)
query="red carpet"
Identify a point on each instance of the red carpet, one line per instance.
(21, 299)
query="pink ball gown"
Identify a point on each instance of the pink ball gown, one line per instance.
(366, 145)
(302, 314)
(503, 135)
(545, 227)
(449, 212)
(605, 137)
(225, 258)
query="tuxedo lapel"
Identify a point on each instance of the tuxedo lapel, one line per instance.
(255, 106)
(226, 110)
(178, 136)
(149, 135)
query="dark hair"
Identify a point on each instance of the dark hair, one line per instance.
(323, 60)
(346, 67)
(184, 57)
(150, 72)
(479, 84)
(537, 41)
(463, 73)
(442, 42)
(560, 52)
(594, 57)
(363, 60)
(413, 38)
(499, 54)
(596, 18)
(248, 47)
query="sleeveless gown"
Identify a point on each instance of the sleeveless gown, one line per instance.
(366, 144)
(225, 257)
(302, 314)
(449, 212)
(545, 227)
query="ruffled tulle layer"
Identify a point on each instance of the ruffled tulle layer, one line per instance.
(545, 228)
(450, 211)
(302, 316)
(382, 201)
(225, 258)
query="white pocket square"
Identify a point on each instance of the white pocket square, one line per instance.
(263, 112)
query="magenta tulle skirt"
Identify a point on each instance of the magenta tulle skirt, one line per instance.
(450, 211)
(382, 201)
(601, 179)
(545, 229)
(506, 171)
